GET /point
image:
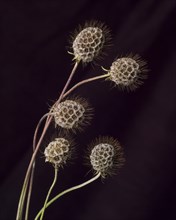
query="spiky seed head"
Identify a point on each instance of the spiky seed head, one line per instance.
(89, 42)
(57, 152)
(128, 72)
(72, 114)
(106, 155)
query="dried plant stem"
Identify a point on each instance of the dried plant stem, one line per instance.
(85, 81)
(49, 191)
(27, 177)
(26, 180)
(67, 191)
(33, 167)
(29, 192)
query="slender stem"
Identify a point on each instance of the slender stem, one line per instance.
(33, 167)
(26, 180)
(68, 82)
(29, 192)
(67, 191)
(49, 192)
(37, 128)
(21, 201)
(85, 81)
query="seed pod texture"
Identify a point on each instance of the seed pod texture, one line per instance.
(72, 114)
(127, 72)
(106, 155)
(57, 151)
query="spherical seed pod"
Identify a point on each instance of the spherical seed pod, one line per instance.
(57, 152)
(106, 156)
(128, 72)
(89, 42)
(72, 114)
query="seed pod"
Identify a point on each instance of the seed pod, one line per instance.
(128, 72)
(106, 155)
(57, 152)
(89, 43)
(72, 114)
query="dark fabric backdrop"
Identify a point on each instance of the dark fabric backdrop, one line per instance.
(34, 65)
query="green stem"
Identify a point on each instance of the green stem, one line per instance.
(21, 201)
(49, 192)
(29, 192)
(67, 191)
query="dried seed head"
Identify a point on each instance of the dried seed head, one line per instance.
(72, 114)
(106, 155)
(89, 42)
(128, 72)
(57, 152)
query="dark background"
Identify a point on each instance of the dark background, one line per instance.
(34, 65)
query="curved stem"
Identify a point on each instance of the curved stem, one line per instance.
(67, 191)
(33, 167)
(38, 126)
(26, 180)
(27, 176)
(85, 81)
(29, 192)
(49, 192)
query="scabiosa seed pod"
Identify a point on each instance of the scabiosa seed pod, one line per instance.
(128, 72)
(106, 156)
(90, 41)
(58, 151)
(72, 114)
